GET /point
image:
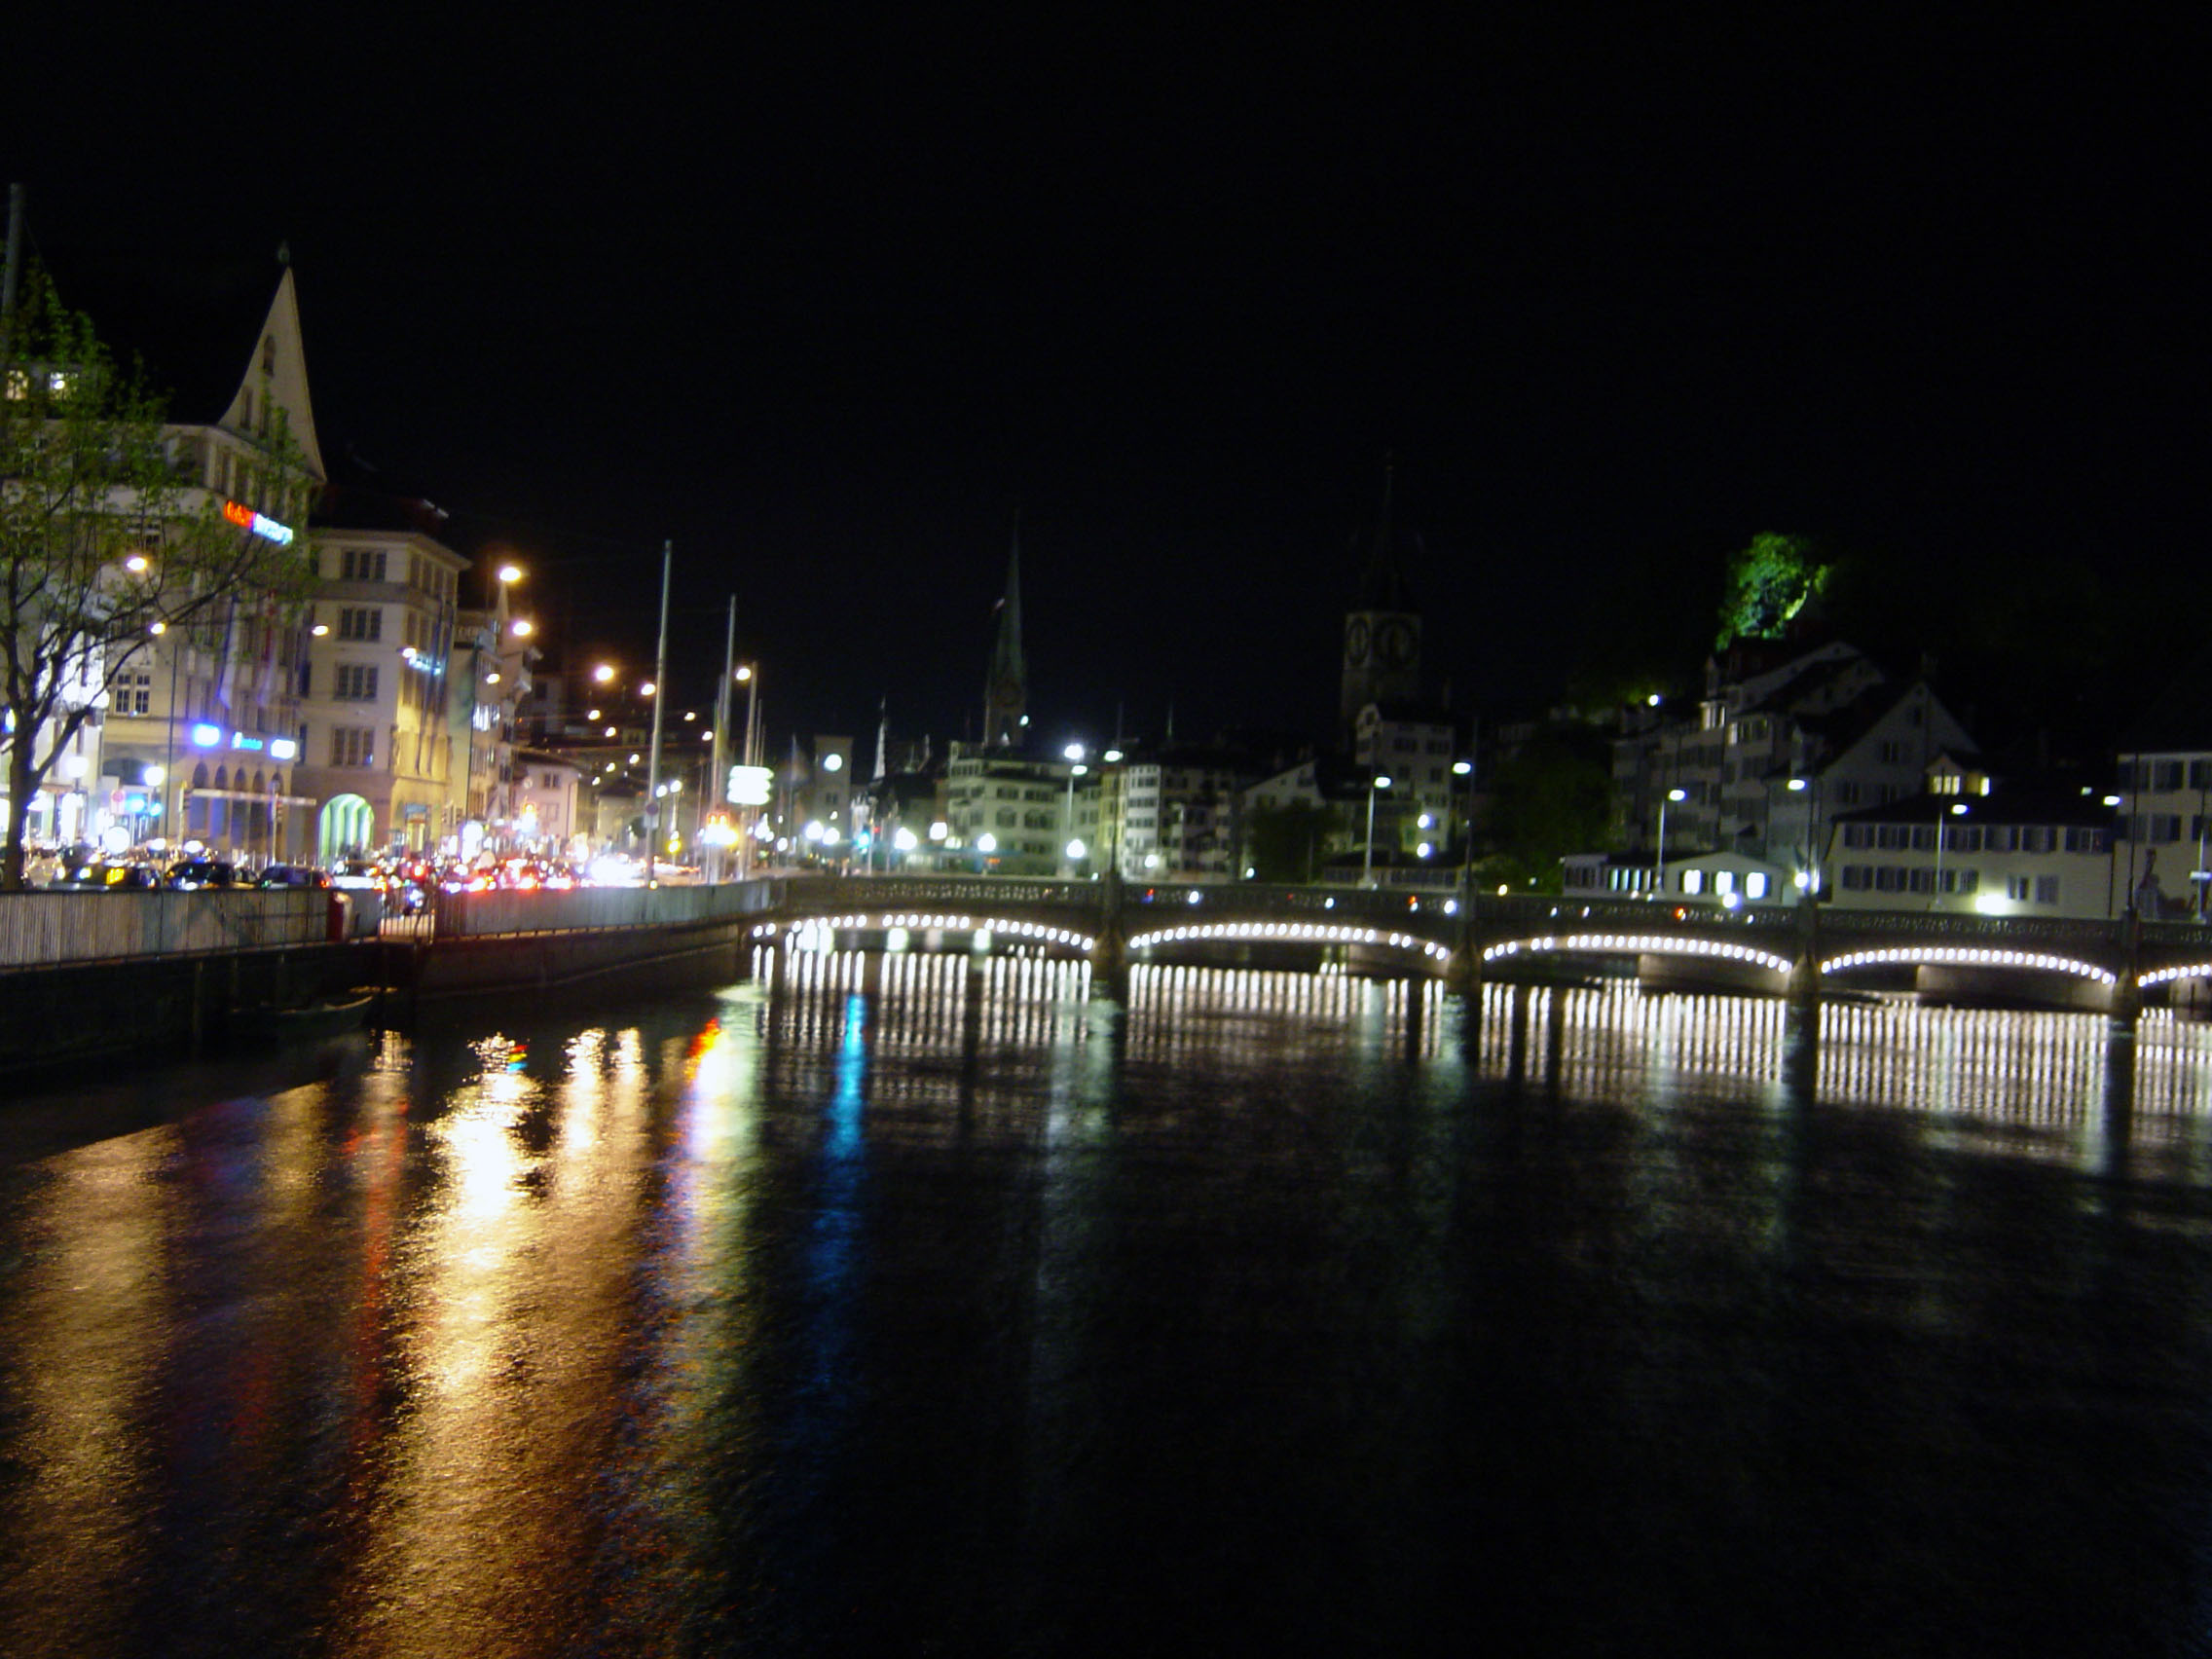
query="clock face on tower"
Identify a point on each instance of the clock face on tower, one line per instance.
(1394, 643)
(1356, 641)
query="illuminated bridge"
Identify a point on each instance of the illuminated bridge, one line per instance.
(1465, 936)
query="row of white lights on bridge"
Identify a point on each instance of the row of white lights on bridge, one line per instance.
(1310, 932)
(1643, 946)
(927, 923)
(2195, 971)
(1297, 932)
(1951, 956)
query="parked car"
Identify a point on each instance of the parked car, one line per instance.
(192, 875)
(291, 875)
(109, 875)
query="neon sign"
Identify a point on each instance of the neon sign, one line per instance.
(260, 524)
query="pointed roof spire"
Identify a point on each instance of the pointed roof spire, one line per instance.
(1005, 694)
(1382, 584)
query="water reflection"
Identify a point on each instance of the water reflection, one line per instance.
(939, 1303)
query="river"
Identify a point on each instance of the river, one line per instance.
(900, 1312)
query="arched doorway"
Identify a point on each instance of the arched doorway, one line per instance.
(346, 829)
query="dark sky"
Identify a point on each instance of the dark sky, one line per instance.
(821, 306)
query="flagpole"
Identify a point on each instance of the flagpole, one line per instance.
(717, 788)
(660, 702)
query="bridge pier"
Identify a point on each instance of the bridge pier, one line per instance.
(2128, 987)
(1801, 1018)
(1110, 945)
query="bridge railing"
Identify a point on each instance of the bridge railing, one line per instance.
(963, 892)
(584, 909)
(46, 930)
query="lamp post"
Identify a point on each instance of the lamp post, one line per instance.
(1935, 899)
(2200, 875)
(1375, 787)
(1466, 769)
(1111, 782)
(499, 799)
(750, 677)
(1659, 877)
(1809, 877)
(1076, 770)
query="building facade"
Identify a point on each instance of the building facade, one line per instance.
(201, 738)
(380, 749)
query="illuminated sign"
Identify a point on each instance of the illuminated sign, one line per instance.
(750, 785)
(240, 740)
(282, 748)
(207, 736)
(268, 528)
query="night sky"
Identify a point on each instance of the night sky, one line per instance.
(822, 306)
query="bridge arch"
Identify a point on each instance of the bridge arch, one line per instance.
(1291, 932)
(2168, 975)
(1641, 944)
(1973, 957)
(983, 928)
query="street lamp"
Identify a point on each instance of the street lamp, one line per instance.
(1659, 883)
(1076, 770)
(1375, 787)
(1809, 877)
(1466, 769)
(1935, 899)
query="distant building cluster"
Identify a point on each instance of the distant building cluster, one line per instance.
(398, 702)
(1809, 773)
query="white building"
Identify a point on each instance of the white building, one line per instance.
(1012, 812)
(1776, 752)
(201, 735)
(2015, 850)
(544, 790)
(1180, 815)
(1412, 745)
(379, 750)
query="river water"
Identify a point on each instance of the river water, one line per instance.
(900, 1312)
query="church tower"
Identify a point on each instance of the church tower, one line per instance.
(1005, 694)
(1382, 631)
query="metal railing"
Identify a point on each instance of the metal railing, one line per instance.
(43, 930)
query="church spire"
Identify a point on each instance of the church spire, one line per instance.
(1382, 661)
(1005, 694)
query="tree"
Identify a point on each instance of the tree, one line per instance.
(1768, 583)
(105, 544)
(1554, 796)
(1287, 842)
